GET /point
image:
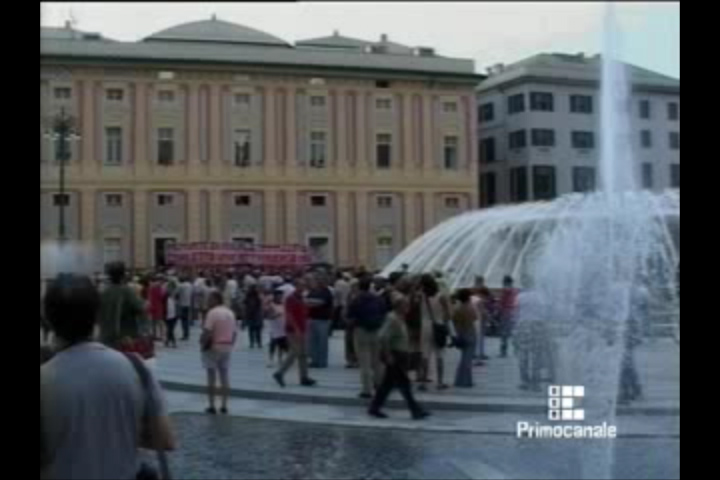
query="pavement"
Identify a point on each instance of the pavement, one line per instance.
(495, 391)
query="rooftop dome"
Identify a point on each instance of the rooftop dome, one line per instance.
(216, 31)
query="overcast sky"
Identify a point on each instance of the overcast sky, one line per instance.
(486, 32)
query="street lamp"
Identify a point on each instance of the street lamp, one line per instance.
(61, 134)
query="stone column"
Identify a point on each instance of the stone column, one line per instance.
(291, 129)
(343, 228)
(341, 131)
(215, 127)
(409, 223)
(87, 215)
(215, 206)
(363, 160)
(193, 127)
(363, 235)
(428, 135)
(270, 217)
(140, 134)
(140, 229)
(409, 164)
(193, 215)
(291, 214)
(269, 131)
(428, 210)
(89, 162)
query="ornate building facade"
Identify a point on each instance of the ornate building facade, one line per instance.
(211, 131)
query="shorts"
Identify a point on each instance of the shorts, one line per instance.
(280, 343)
(214, 360)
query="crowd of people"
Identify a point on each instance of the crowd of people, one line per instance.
(398, 331)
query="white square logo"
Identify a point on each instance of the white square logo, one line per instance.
(563, 402)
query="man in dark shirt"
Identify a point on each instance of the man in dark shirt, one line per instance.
(320, 301)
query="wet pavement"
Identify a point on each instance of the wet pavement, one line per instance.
(227, 447)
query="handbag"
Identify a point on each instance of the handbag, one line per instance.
(147, 471)
(441, 332)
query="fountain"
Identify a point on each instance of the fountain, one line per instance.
(593, 259)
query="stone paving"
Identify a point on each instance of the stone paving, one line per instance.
(495, 389)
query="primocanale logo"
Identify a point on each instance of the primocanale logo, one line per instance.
(563, 406)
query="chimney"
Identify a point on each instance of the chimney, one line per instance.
(336, 33)
(68, 24)
(384, 38)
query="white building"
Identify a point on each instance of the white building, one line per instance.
(538, 128)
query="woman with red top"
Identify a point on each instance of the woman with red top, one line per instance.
(156, 298)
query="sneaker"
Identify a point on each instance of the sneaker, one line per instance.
(377, 414)
(308, 382)
(365, 395)
(420, 415)
(279, 379)
(211, 411)
(224, 411)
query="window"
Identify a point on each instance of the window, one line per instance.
(487, 150)
(488, 189)
(246, 242)
(382, 84)
(583, 140)
(452, 202)
(450, 153)
(241, 99)
(384, 201)
(166, 146)
(113, 146)
(319, 248)
(517, 139)
(165, 199)
(674, 139)
(166, 96)
(384, 241)
(581, 104)
(112, 250)
(243, 200)
(544, 182)
(114, 95)
(583, 179)
(541, 102)
(516, 103)
(241, 148)
(675, 175)
(113, 200)
(384, 150)
(450, 107)
(62, 155)
(62, 93)
(318, 200)
(383, 103)
(673, 111)
(61, 199)
(646, 138)
(647, 175)
(519, 184)
(542, 137)
(318, 149)
(317, 101)
(645, 112)
(486, 112)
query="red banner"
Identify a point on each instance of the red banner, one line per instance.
(229, 255)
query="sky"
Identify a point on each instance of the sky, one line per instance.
(487, 32)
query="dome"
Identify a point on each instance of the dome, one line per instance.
(216, 31)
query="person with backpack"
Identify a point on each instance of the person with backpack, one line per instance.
(367, 314)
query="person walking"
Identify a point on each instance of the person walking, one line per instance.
(156, 298)
(320, 302)
(253, 309)
(217, 343)
(351, 358)
(98, 407)
(199, 298)
(122, 314)
(275, 314)
(395, 348)
(342, 290)
(367, 314)
(296, 326)
(171, 312)
(464, 319)
(435, 308)
(483, 301)
(507, 306)
(185, 291)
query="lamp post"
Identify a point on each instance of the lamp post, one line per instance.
(61, 134)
